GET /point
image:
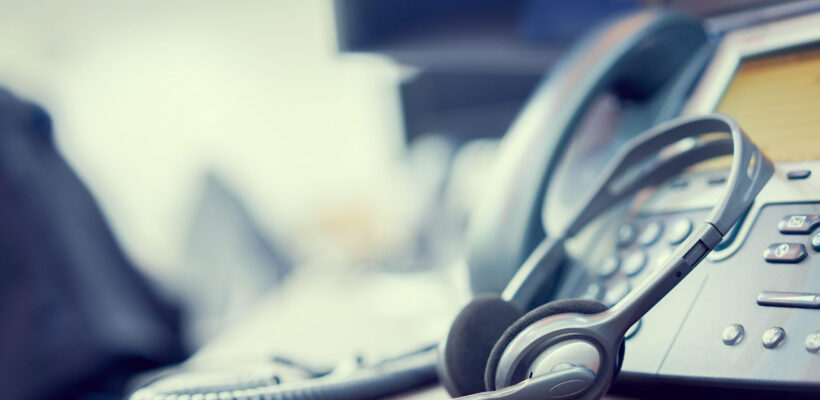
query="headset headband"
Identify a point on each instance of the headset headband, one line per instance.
(750, 171)
(625, 175)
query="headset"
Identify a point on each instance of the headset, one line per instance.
(573, 348)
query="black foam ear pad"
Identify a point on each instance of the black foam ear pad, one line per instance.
(579, 306)
(471, 338)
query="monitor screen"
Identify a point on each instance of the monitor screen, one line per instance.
(776, 99)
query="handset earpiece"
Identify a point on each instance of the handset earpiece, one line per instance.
(550, 354)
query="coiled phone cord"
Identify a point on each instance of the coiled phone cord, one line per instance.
(390, 377)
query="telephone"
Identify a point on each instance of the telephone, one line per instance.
(624, 78)
(742, 320)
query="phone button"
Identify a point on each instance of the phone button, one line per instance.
(785, 253)
(798, 174)
(789, 299)
(679, 183)
(773, 337)
(813, 342)
(716, 180)
(634, 263)
(632, 330)
(617, 292)
(626, 235)
(732, 335)
(798, 223)
(594, 291)
(609, 266)
(680, 229)
(651, 233)
(815, 241)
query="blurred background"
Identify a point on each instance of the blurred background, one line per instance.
(227, 142)
(314, 162)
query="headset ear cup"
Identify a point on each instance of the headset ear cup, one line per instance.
(467, 347)
(580, 306)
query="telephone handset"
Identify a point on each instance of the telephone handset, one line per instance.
(641, 65)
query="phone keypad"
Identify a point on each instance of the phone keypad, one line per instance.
(749, 311)
(641, 245)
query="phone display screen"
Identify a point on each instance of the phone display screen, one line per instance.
(776, 99)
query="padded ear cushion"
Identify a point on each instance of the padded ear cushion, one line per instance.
(579, 306)
(471, 338)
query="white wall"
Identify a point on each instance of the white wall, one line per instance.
(148, 95)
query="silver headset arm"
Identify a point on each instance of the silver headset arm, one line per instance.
(627, 173)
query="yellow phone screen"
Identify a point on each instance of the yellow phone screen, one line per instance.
(776, 100)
